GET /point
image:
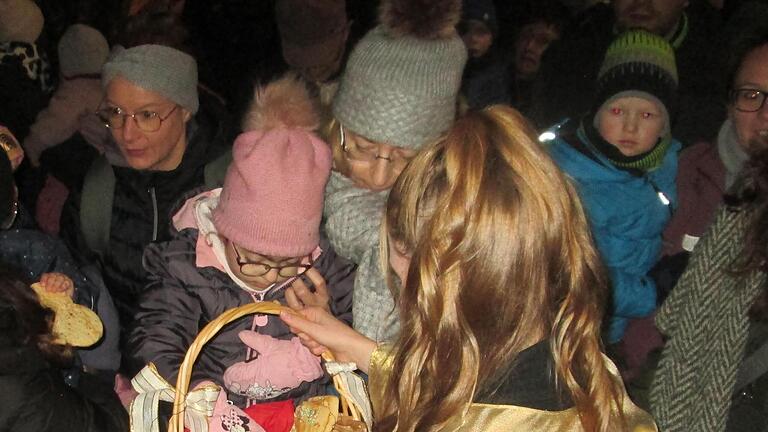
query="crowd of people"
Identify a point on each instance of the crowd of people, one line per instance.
(540, 215)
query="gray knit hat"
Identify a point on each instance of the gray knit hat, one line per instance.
(402, 79)
(157, 68)
(82, 50)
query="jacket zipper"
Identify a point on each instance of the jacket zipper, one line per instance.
(661, 195)
(154, 213)
(249, 352)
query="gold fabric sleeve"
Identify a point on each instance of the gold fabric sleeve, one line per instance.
(379, 368)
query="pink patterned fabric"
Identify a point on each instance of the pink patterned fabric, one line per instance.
(229, 418)
(280, 366)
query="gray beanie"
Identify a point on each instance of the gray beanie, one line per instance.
(82, 50)
(157, 68)
(401, 89)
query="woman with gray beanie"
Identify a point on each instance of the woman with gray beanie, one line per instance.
(167, 146)
(397, 93)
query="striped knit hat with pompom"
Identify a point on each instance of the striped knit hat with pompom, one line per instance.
(640, 64)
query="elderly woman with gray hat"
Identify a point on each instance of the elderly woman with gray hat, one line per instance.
(397, 93)
(167, 148)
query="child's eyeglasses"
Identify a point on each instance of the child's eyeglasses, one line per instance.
(255, 269)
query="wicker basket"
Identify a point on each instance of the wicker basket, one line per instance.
(207, 333)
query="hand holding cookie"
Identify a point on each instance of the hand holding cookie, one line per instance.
(73, 324)
(58, 283)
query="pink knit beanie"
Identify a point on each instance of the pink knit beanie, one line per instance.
(272, 199)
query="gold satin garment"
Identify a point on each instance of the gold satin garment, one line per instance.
(498, 418)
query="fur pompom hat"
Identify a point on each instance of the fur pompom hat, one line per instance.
(82, 50)
(402, 79)
(20, 21)
(272, 199)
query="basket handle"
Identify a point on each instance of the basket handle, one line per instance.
(347, 408)
(205, 335)
(208, 332)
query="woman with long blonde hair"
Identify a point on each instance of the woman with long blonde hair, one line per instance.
(501, 296)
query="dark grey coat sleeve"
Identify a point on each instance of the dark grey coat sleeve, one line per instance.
(167, 320)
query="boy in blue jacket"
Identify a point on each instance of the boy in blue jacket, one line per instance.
(624, 160)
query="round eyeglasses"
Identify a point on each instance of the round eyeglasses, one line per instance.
(748, 99)
(146, 120)
(255, 269)
(364, 151)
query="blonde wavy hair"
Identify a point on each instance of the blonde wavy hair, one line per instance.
(502, 258)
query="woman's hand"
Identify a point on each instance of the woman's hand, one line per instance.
(298, 295)
(320, 331)
(58, 283)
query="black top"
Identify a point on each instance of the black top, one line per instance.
(531, 382)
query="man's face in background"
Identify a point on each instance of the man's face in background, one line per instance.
(655, 16)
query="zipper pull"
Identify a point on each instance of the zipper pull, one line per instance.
(155, 216)
(663, 198)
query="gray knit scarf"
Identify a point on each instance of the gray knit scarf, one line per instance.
(730, 152)
(705, 318)
(352, 222)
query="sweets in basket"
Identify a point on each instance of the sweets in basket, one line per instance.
(322, 413)
(349, 412)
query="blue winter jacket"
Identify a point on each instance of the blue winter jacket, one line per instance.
(627, 215)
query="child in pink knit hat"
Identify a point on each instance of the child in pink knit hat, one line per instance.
(256, 239)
